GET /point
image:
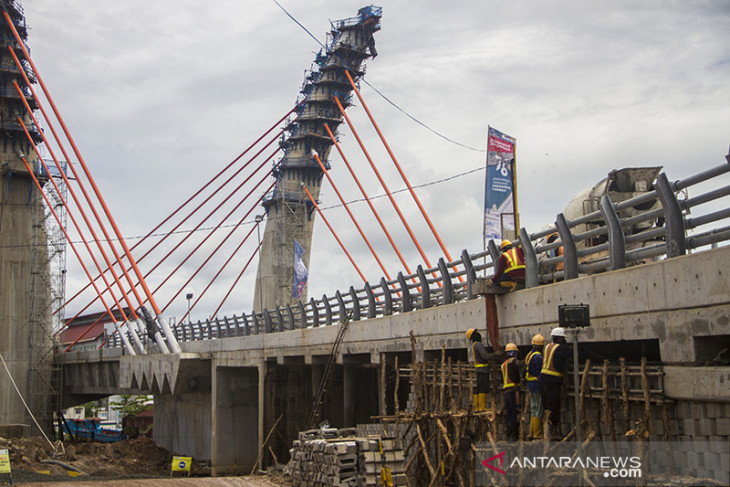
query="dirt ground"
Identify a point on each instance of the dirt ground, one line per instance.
(130, 462)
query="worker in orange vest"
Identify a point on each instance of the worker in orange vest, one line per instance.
(554, 362)
(533, 366)
(510, 270)
(483, 364)
(511, 386)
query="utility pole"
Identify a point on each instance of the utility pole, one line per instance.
(573, 317)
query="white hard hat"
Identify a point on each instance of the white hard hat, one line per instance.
(558, 332)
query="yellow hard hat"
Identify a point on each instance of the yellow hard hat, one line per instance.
(511, 347)
(538, 340)
(505, 243)
(469, 333)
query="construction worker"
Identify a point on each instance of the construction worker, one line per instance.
(533, 366)
(554, 362)
(482, 362)
(511, 387)
(510, 271)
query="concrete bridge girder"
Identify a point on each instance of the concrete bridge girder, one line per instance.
(681, 304)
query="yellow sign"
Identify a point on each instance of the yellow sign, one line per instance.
(181, 464)
(4, 462)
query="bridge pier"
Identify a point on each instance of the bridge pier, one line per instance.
(235, 426)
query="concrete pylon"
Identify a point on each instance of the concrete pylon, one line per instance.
(25, 297)
(288, 209)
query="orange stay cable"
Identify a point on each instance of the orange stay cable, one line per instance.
(334, 234)
(367, 199)
(402, 174)
(58, 165)
(68, 239)
(220, 245)
(117, 281)
(234, 282)
(71, 215)
(91, 181)
(198, 192)
(352, 217)
(385, 186)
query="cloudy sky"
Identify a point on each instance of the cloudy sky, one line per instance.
(160, 95)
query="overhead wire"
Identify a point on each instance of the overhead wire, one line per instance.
(391, 102)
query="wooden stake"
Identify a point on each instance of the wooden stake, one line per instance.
(442, 391)
(625, 392)
(583, 387)
(647, 400)
(263, 445)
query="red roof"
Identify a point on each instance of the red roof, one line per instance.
(70, 334)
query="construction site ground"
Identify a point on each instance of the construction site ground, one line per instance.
(130, 463)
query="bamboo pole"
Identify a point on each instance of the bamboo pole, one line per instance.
(625, 393)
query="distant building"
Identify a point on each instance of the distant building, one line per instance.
(88, 332)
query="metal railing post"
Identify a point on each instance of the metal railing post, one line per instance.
(532, 268)
(570, 251)
(616, 237)
(675, 235)
(387, 297)
(246, 326)
(315, 312)
(341, 304)
(406, 304)
(256, 327)
(268, 324)
(355, 304)
(425, 289)
(448, 288)
(290, 314)
(371, 300)
(302, 315)
(471, 274)
(327, 310)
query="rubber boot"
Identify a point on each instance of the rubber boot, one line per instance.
(482, 401)
(476, 402)
(536, 428)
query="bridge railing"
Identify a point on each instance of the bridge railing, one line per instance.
(662, 227)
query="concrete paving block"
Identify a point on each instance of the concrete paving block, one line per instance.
(707, 426)
(697, 410)
(723, 427)
(714, 410)
(689, 426)
(346, 460)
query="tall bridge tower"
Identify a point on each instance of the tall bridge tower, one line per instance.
(289, 211)
(25, 290)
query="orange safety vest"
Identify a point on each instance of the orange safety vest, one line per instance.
(529, 376)
(505, 375)
(547, 363)
(476, 363)
(514, 263)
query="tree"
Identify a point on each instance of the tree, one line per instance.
(130, 405)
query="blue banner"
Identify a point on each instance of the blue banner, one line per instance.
(300, 272)
(499, 210)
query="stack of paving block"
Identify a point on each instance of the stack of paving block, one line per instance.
(373, 462)
(325, 458)
(335, 458)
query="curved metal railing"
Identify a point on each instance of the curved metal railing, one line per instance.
(674, 229)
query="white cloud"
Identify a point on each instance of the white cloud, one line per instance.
(161, 95)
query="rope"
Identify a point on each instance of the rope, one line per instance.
(24, 403)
